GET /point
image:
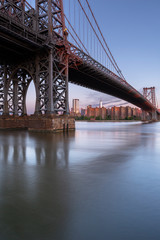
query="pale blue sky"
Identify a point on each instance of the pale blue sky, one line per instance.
(132, 31)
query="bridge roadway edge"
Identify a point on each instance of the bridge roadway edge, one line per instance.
(38, 123)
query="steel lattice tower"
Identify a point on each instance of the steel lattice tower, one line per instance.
(149, 94)
(47, 66)
(53, 64)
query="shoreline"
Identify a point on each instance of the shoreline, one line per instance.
(108, 120)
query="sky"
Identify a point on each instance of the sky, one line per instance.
(132, 31)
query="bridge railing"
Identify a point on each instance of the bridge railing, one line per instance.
(79, 55)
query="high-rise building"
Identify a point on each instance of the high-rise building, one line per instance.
(100, 104)
(129, 111)
(75, 106)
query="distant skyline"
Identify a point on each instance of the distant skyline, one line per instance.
(131, 29)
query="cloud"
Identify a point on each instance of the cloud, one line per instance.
(93, 98)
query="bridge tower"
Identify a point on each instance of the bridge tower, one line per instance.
(149, 94)
(52, 65)
(47, 66)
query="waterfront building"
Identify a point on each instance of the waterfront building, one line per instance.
(123, 112)
(75, 106)
(108, 112)
(115, 113)
(90, 111)
(96, 112)
(103, 113)
(129, 111)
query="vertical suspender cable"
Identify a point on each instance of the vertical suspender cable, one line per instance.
(97, 36)
(119, 71)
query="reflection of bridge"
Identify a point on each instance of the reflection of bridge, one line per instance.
(53, 150)
(35, 45)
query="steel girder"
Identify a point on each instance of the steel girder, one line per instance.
(20, 11)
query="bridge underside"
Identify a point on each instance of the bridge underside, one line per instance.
(17, 41)
(89, 77)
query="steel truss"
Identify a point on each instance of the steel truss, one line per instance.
(48, 68)
(20, 11)
(150, 95)
(4, 76)
(2, 83)
(14, 82)
(54, 66)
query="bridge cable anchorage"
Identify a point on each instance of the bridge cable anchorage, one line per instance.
(117, 69)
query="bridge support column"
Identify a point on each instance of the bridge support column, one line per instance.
(37, 106)
(44, 83)
(15, 96)
(50, 109)
(5, 108)
(66, 93)
(154, 116)
(60, 81)
(52, 82)
(3, 90)
(144, 116)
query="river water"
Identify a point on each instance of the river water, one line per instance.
(101, 182)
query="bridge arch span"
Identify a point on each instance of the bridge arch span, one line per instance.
(17, 88)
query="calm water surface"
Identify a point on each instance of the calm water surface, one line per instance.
(101, 182)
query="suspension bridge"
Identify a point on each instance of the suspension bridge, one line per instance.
(51, 45)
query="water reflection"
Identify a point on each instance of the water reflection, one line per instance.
(35, 148)
(87, 183)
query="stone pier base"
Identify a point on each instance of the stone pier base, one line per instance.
(39, 123)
